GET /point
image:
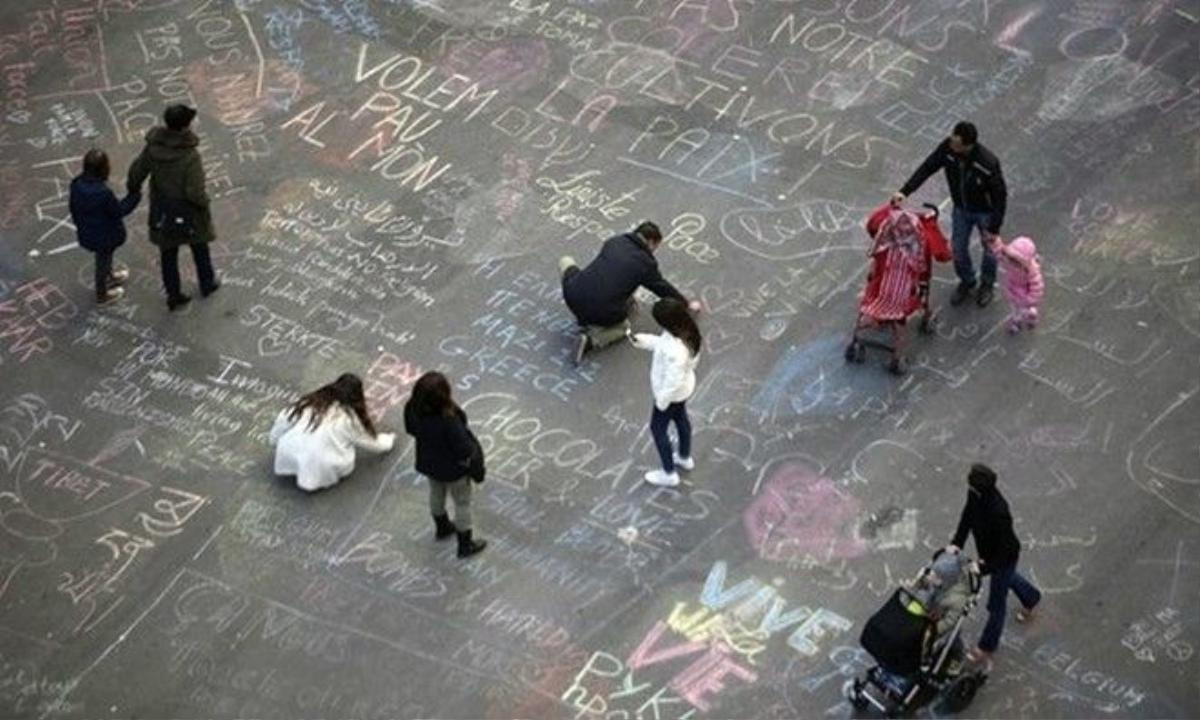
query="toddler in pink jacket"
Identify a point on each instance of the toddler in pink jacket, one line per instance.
(1023, 284)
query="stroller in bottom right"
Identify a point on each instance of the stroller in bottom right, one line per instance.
(917, 663)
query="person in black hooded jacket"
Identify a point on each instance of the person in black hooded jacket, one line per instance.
(448, 455)
(179, 204)
(987, 518)
(601, 294)
(99, 222)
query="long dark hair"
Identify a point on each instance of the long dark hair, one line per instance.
(431, 395)
(673, 315)
(346, 391)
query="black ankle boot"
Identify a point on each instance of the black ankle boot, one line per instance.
(961, 293)
(468, 547)
(445, 528)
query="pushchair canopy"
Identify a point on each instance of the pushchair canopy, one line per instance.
(897, 638)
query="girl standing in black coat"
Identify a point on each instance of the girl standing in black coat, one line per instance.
(99, 223)
(448, 455)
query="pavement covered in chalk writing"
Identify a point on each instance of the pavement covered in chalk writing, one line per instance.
(393, 183)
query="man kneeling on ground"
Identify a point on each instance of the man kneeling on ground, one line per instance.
(601, 294)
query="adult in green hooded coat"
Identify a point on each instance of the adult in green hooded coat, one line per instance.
(179, 212)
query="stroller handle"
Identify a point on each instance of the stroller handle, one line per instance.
(974, 578)
(932, 208)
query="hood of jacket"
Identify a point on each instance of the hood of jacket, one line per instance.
(981, 479)
(166, 145)
(1024, 248)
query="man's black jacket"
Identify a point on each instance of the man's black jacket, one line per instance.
(599, 294)
(976, 181)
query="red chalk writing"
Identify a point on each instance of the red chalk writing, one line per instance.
(32, 309)
(388, 381)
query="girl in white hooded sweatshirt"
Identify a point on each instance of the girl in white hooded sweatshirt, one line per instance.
(672, 379)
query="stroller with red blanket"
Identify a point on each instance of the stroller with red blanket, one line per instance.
(905, 245)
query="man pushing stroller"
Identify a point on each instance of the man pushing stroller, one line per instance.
(914, 638)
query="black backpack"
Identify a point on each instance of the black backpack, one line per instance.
(476, 471)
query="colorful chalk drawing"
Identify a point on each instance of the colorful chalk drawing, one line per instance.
(403, 175)
(800, 513)
(724, 636)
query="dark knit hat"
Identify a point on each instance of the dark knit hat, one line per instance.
(178, 117)
(981, 477)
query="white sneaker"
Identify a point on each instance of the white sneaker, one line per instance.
(684, 463)
(582, 345)
(111, 296)
(662, 478)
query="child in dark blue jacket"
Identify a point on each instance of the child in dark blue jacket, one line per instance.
(99, 223)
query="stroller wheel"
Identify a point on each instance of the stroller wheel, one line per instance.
(959, 694)
(928, 324)
(897, 366)
(854, 693)
(856, 352)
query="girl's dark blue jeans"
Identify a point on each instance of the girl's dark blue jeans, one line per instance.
(659, 420)
(104, 263)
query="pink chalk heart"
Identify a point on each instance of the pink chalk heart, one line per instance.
(800, 514)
